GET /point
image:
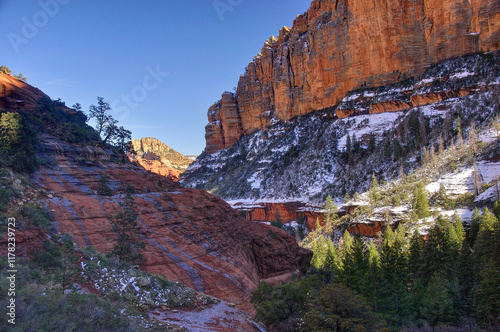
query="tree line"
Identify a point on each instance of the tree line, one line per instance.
(446, 277)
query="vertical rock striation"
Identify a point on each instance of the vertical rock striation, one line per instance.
(340, 45)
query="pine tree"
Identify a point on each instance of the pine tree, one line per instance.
(420, 201)
(416, 257)
(487, 295)
(474, 226)
(355, 143)
(437, 305)
(347, 243)
(372, 143)
(374, 275)
(416, 264)
(374, 192)
(101, 115)
(389, 236)
(496, 208)
(354, 266)
(395, 301)
(317, 225)
(440, 251)
(69, 271)
(459, 230)
(332, 261)
(400, 234)
(331, 210)
(347, 198)
(127, 242)
(320, 250)
(315, 260)
(466, 276)
(487, 238)
(348, 147)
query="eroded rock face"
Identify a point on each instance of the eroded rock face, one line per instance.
(286, 212)
(159, 158)
(190, 235)
(15, 94)
(340, 45)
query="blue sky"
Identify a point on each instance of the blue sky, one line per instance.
(160, 63)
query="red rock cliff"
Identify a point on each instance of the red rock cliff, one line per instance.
(339, 45)
(191, 236)
(15, 94)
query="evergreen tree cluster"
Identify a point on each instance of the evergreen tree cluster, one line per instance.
(447, 277)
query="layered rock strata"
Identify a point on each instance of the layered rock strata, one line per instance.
(339, 45)
(191, 236)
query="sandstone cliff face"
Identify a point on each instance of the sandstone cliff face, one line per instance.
(159, 158)
(293, 211)
(340, 45)
(15, 94)
(288, 211)
(191, 236)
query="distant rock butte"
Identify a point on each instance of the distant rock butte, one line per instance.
(159, 158)
(191, 236)
(340, 45)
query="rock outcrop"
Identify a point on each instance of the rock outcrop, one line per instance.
(341, 45)
(16, 94)
(284, 212)
(159, 158)
(191, 236)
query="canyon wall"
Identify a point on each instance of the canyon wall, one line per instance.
(340, 45)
